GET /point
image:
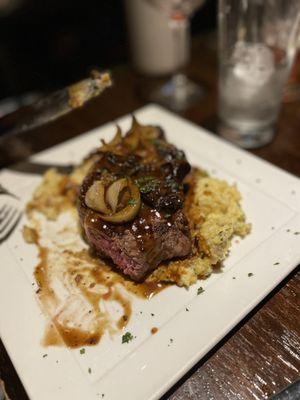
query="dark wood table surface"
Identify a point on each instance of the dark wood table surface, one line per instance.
(261, 355)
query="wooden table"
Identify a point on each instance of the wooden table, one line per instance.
(262, 354)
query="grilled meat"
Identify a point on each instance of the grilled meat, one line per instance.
(130, 203)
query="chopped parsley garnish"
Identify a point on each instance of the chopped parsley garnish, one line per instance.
(132, 202)
(45, 355)
(127, 337)
(187, 309)
(152, 314)
(250, 274)
(296, 233)
(89, 370)
(171, 340)
(157, 142)
(172, 184)
(200, 290)
(82, 351)
(147, 184)
(277, 263)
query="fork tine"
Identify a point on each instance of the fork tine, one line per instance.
(2, 209)
(9, 221)
(10, 228)
(6, 217)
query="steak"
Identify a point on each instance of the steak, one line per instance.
(145, 174)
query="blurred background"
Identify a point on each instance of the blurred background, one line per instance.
(45, 44)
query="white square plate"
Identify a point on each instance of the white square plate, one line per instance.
(149, 365)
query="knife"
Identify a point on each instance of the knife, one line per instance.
(32, 167)
(13, 145)
(62, 102)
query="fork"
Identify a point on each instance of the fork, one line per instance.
(5, 191)
(10, 215)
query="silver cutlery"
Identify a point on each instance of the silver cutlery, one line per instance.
(63, 101)
(37, 168)
(3, 190)
(10, 215)
(13, 143)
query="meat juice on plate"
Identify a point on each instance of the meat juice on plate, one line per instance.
(251, 86)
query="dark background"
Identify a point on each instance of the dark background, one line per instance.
(45, 44)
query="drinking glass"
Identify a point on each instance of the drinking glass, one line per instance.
(292, 90)
(257, 43)
(179, 92)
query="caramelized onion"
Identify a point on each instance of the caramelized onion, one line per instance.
(94, 198)
(130, 210)
(148, 132)
(138, 134)
(133, 136)
(113, 193)
(116, 140)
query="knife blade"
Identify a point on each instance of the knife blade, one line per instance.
(62, 102)
(32, 167)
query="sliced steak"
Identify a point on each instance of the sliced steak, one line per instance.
(159, 231)
(141, 246)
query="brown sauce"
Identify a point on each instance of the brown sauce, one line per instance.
(73, 337)
(154, 330)
(52, 336)
(46, 294)
(146, 289)
(96, 282)
(91, 279)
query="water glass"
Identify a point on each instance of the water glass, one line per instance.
(292, 89)
(257, 43)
